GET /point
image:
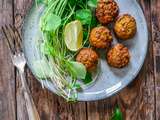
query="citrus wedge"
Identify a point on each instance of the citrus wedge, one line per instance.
(73, 35)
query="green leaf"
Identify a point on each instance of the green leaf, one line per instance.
(42, 2)
(78, 69)
(77, 86)
(39, 1)
(88, 78)
(94, 22)
(47, 49)
(92, 3)
(52, 22)
(117, 114)
(84, 15)
(42, 69)
(72, 2)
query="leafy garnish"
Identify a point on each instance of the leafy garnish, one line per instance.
(94, 22)
(39, 1)
(78, 69)
(88, 78)
(42, 72)
(77, 86)
(117, 115)
(92, 3)
(84, 15)
(47, 49)
(57, 14)
(52, 22)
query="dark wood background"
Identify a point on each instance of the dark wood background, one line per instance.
(139, 101)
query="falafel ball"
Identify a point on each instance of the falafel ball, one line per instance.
(107, 11)
(88, 57)
(125, 27)
(118, 56)
(100, 37)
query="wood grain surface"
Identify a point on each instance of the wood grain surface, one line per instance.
(7, 75)
(139, 101)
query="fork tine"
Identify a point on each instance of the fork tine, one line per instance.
(11, 36)
(17, 37)
(9, 44)
(12, 33)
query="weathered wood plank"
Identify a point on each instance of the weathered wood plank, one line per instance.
(138, 99)
(155, 8)
(7, 81)
(52, 107)
(101, 110)
(20, 9)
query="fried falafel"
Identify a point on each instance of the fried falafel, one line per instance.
(118, 56)
(100, 37)
(125, 27)
(88, 57)
(106, 11)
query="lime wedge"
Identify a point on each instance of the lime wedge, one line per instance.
(73, 35)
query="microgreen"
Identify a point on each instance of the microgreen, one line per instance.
(84, 15)
(52, 22)
(88, 78)
(47, 48)
(39, 1)
(42, 72)
(92, 3)
(78, 69)
(77, 86)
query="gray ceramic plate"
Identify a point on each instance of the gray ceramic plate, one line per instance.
(110, 80)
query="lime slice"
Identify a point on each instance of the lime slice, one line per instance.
(73, 35)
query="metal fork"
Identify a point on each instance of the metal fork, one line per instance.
(14, 42)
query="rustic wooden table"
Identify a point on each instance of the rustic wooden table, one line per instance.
(139, 101)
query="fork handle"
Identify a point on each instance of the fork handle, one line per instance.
(31, 108)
